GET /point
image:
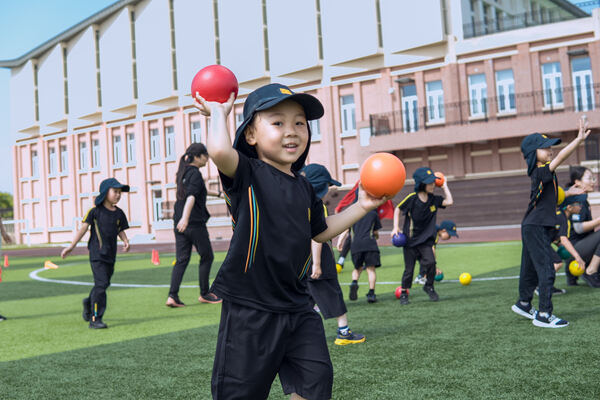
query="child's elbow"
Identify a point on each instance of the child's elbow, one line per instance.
(448, 203)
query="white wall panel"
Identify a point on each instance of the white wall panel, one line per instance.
(293, 40)
(241, 33)
(51, 88)
(195, 40)
(22, 100)
(81, 62)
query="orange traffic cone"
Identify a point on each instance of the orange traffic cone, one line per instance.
(6, 261)
(155, 257)
(50, 265)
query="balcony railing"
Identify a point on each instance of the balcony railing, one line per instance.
(487, 109)
(523, 20)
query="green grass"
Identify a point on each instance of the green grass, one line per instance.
(469, 345)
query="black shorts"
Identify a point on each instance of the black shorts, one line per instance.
(328, 295)
(555, 257)
(254, 345)
(366, 259)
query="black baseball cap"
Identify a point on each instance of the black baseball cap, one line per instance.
(533, 142)
(269, 96)
(319, 178)
(569, 200)
(449, 226)
(423, 175)
(107, 184)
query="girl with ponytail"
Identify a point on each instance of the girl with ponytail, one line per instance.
(190, 219)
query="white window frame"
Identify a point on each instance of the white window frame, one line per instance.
(117, 151)
(315, 130)
(195, 132)
(552, 86)
(239, 118)
(435, 102)
(157, 205)
(348, 115)
(35, 168)
(583, 92)
(64, 160)
(169, 142)
(95, 154)
(477, 96)
(410, 110)
(505, 93)
(154, 145)
(52, 162)
(130, 148)
(84, 164)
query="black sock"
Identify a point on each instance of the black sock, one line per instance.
(371, 291)
(354, 282)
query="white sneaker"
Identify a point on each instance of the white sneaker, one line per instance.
(524, 311)
(420, 280)
(552, 321)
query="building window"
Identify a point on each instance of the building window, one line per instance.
(52, 162)
(505, 90)
(83, 156)
(552, 83)
(195, 132)
(130, 148)
(95, 154)
(582, 84)
(157, 205)
(410, 110)
(477, 95)
(435, 101)
(154, 145)
(170, 142)
(239, 118)
(348, 114)
(315, 130)
(64, 160)
(35, 172)
(117, 151)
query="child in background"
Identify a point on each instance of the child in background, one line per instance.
(537, 228)
(268, 326)
(323, 282)
(445, 231)
(343, 248)
(107, 221)
(8, 240)
(365, 253)
(420, 210)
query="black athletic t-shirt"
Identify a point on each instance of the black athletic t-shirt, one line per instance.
(328, 270)
(193, 184)
(563, 226)
(420, 217)
(543, 197)
(105, 226)
(275, 216)
(584, 215)
(363, 238)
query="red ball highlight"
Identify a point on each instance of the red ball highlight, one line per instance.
(382, 174)
(215, 83)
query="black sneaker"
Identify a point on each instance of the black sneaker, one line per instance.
(591, 280)
(87, 313)
(174, 302)
(2, 318)
(353, 291)
(404, 298)
(371, 298)
(433, 296)
(98, 324)
(527, 311)
(549, 321)
(572, 282)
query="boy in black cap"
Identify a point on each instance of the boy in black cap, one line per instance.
(268, 326)
(323, 283)
(445, 231)
(420, 210)
(537, 228)
(365, 253)
(107, 221)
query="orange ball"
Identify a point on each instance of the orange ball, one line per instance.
(439, 179)
(382, 174)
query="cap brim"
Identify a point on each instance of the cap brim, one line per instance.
(124, 188)
(428, 179)
(334, 182)
(549, 143)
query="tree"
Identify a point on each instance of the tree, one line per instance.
(6, 205)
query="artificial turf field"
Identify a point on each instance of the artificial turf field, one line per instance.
(467, 346)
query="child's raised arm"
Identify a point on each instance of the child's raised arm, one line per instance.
(84, 227)
(562, 155)
(218, 141)
(448, 201)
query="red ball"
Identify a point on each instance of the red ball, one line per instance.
(439, 179)
(382, 174)
(398, 291)
(215, 83)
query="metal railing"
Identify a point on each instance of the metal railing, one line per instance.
(491, 108)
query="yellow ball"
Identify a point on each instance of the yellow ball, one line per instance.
(560, 196)
(174, 262)
(465, 278)
(575, 269)
(338, 268)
